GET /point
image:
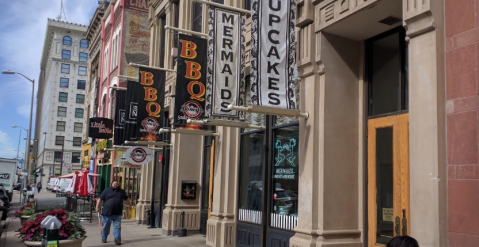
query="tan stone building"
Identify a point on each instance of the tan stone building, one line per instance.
(389, 148)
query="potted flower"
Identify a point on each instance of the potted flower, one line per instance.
(71, 232)
(25, 211)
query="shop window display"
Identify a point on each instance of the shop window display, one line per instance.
(284, 177)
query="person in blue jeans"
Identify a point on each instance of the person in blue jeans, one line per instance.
(112, 199)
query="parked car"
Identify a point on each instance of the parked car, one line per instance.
(5, 202)
(17, 186)
(62, 184)
(51, 183)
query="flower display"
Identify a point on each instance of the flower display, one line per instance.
(71, 227)
(26, 209)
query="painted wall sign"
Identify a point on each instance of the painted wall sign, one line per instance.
(150, 104)
(120, 117)
(273, 54)
(225, 82)
(190, 82)
(141, 5)
(133, 90)
(100, 128)
(138, 155)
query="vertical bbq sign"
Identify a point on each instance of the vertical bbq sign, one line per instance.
(273, 53)
(225, 82)
(150, 104)
(190, 82)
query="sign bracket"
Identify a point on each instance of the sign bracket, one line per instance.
(224, 6)
(270, 111)
(204, 35)
(151, 67)
(118, 88)
(128, 77)
(226, 123)
(189, 132)
(149, 143)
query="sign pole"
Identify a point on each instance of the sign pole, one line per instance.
(153, 187)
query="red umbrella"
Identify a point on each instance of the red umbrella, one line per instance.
(83, 185)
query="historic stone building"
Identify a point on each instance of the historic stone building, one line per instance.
(61, 97)
(389, 146)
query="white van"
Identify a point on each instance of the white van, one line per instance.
(51, 183)
(63, 184)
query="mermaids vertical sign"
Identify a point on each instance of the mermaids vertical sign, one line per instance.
(150, 104)
(190, 82)
(273, 53)
(225, 83)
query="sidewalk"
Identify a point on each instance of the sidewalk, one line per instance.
(132, 234)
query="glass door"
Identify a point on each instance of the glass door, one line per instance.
(388, 178)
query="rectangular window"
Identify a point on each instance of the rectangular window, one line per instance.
(77, 142)
(80, 98)
(79, 113)
(62, 111)
(66, 54)
(81, 84)
(81, 70)
(63, 97)
(247, 4)
(78, 127)
(83, 57)
(65, 68)
(64, 82)
(251, 179)
(58, 157)
(61, 125)
(76, 155)
(197, 17)
(59, 140)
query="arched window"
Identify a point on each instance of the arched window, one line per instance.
(83, 43)
(67, 40)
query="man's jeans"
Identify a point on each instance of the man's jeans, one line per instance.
(105, 226)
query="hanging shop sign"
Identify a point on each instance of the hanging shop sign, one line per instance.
(273, 54)
(120, 117)
(150, 104)
(226, 63)
(100, 128)
(132, 91)
(190, 82)
(138, 155)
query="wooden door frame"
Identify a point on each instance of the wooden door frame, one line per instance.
(400, 124)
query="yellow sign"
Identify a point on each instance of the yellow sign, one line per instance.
(31, 159)
(388, 214)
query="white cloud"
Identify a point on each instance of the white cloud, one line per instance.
(6, 146)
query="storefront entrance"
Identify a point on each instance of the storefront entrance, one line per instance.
(388, 137)
(268, 193)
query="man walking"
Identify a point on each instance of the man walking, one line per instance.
(39, 186)
(112, 210)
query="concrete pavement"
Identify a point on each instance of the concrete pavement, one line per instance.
(132, 234)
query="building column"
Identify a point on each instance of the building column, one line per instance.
(328, 204)
(427, 130)
(221, 226)
(185, 164)
(144, 199)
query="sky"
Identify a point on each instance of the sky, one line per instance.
(22, 32)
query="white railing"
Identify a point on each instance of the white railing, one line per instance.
(287, 222)
(247, 215)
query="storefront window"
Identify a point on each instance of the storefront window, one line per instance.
(284, 178)
(251, 177)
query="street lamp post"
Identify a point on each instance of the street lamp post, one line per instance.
(7, 72)
(43, 154)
